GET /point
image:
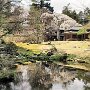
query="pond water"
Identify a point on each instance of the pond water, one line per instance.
(48, 77)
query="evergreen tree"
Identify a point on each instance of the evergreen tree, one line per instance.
(42, 4)
(75, 16)
(71, 13)
(66, 10)
(87, 14)
(87, 11)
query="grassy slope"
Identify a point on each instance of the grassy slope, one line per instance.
(34, 47)
(81, 48)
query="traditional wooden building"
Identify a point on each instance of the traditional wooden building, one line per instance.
(75, 33)
(62, 27)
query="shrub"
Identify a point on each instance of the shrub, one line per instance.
(10, 48)
(42, 56)
(71, 56)
(56, 57)
(7, 60)
(7, 75)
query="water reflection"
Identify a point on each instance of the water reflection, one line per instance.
(23, 83)
(54, 77)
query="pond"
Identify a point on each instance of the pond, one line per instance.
(38, 76)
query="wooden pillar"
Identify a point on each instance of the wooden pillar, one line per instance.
(58, 35)
(84, 36)
(76, 36)
(71, 35)
(64, 37)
